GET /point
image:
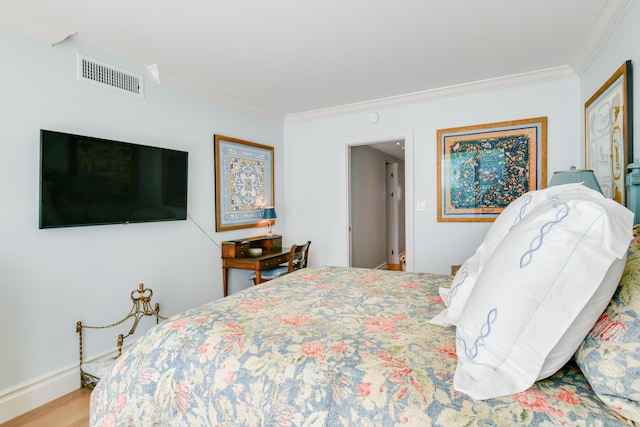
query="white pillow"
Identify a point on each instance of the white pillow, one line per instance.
(579, 329)
(532, 293)
(455, 297)
(519, 208)
(464, 280)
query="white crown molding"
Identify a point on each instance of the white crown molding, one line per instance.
(607, 22)
(52, 36)
(42, 33)
(203, 91)
(610, 15)
(541, 76)
(534, 77)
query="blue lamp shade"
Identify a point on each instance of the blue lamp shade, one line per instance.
(269, 214)
(585, 176)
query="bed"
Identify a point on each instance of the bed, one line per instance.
(338, 346)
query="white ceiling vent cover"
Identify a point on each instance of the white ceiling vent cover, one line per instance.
(98, 72)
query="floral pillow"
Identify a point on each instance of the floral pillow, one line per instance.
(609, 356)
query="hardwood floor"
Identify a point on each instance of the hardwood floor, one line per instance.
(71, 410)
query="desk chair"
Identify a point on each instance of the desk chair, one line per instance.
(298, 257)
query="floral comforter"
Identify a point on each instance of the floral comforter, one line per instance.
(321, 347)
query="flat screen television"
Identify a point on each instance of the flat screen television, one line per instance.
(94, 181)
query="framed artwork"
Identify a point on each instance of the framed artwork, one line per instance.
(483, 168)
(609, 133)
(244, 182)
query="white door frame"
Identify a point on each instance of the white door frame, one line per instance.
(368, 139)
(391, 204)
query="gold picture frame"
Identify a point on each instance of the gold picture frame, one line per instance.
(483, 168)
(608, 116)
(243, 181)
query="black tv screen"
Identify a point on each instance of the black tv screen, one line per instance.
(93, 181)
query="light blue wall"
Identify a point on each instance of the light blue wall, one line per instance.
(49, 279)
(52, 278)
(316, 150)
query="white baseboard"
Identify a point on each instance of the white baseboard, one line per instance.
(27, 396)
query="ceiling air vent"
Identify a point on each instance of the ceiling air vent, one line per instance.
(98, 72)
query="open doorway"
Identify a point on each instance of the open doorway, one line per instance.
(377, 203)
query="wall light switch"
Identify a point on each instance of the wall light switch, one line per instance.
(421, 205)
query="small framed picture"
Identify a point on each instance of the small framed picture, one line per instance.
(244, 182)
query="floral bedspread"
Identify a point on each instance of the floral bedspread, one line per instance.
(321, 347)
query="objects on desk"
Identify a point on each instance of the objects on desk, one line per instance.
(255, 251)
(240, 248)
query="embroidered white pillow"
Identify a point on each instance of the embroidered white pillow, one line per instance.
(519, 208)
(463, 282)
(532, 290)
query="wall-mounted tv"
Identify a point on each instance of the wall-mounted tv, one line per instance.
(93, 181)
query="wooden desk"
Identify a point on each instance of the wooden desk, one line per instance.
(235, 254)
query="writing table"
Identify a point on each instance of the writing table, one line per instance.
(235, 254)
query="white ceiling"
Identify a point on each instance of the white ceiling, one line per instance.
(290, 57)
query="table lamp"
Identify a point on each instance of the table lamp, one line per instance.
(585, 176)
(269, 214)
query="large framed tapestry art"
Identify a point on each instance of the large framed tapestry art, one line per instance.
(483, 168)
(244, 182)
(608, 116)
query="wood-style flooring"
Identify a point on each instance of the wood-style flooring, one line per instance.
(71, 410)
